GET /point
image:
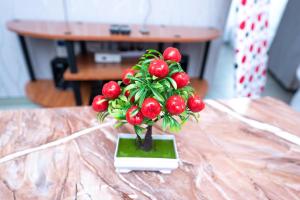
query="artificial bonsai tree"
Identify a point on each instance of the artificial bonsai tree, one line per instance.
(154, 89)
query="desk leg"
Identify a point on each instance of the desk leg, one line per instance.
(160, 47)
(73, 69)
(204, 60)
(27, 58)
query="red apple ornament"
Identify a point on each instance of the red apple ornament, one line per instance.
(181, 79)
(127, 72)
(100, 104)
(172, 54)
(175, 105)
(150, 108)
(111, 90)
(158, 68)
(195, 104)
(136, 119)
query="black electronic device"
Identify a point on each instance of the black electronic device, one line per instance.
(59, 66)
(116, 29)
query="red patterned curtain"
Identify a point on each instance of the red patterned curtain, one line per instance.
(252, 40)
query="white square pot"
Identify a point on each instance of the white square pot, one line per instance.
(163, 165)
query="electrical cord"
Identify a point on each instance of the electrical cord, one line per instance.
(144, 29)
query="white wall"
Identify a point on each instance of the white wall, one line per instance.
(13, 74)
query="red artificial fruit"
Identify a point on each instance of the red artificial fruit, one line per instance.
(158, 68)
(195, 104)
(99, 104)
(127, 94)
(127, 72)
(172, 54)
(150, 108)
(136, 119)
(111, 90)
(181, 79)
(175, 105)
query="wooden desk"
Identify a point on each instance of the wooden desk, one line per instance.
(82, 68)
(222, 157)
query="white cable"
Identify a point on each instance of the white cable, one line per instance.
(144, 29)
(66, 14)
(54, 143)
(256, 124)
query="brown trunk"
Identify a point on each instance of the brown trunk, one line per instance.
(146, 145)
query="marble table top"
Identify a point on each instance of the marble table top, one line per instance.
(241, 149)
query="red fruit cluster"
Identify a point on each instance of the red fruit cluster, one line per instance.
(151, 108)
(110, 90)
(160, 68)
(175, 104)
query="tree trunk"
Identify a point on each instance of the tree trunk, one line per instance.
(146, 145)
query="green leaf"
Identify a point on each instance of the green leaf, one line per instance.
(165, 123)
(196, 116)
(136, 67)
(173, 71)
(158, 117)
(148, 55)
(132, 93)
(123, 98)
(165, 83)
(130, 86)
(174, 84)
(183, 117)
(118, 114)
(119, 124)
(138, 75)
(101, 116)
(154, 51)
(139, 130)
(184, 120)
(157, 95)
(154, 77)
(157, 85)
(142, 98)
(146, 62)
(149, 122)
(172, 65)
(138, 94)
(114, 104)
(175, 65)
(134, 78)
(134, 113)
(187, 89)
(175, 126)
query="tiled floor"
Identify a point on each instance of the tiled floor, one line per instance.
(16, 103)
(222, 87)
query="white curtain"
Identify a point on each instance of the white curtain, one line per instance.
(251, 44)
